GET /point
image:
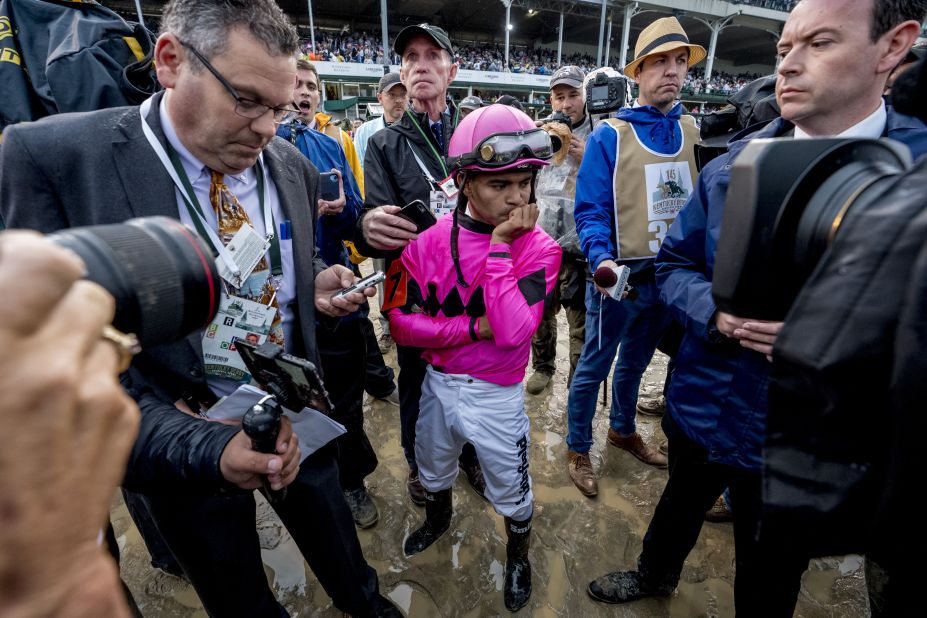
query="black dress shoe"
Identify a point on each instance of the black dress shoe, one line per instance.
(624, 586)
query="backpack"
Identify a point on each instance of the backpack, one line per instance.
(68, 56)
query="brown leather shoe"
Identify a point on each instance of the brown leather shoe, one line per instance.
(635, 445)
(582, 475)
(719, 512)
(416, 491)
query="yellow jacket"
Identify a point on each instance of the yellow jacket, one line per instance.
(326, 126)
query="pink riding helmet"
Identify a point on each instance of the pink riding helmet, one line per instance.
(512, 130)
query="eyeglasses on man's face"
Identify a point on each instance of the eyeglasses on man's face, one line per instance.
(244, 107)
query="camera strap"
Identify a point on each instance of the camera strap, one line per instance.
(170, 160)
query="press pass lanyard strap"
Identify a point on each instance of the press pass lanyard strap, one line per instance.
(424, 169)
(170, 160)
(438, 157)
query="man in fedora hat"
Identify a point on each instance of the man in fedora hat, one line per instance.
(637, 172)
(834, 58)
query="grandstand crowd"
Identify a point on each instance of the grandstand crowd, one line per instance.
(361, 47)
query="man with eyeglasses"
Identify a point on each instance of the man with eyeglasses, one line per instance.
(348, 343)
(204, 152)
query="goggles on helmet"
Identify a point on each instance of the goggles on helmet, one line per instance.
(502, 149)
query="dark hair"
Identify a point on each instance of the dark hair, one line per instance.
(206, 24)
(886, 14)
(305, 65)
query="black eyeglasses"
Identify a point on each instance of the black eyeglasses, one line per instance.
(247, 108)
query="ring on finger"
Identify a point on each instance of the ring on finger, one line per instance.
(126, 345)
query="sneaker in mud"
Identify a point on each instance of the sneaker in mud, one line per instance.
(537, 382)
(385, 342)
(652, 407)
(624, 586)
(362, 507)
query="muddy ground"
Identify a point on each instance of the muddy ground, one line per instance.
(575, 538)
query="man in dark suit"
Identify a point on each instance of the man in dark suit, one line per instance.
(208, 143)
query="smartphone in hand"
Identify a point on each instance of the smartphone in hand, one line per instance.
(328, 187)
(418, 213)
(361, 285)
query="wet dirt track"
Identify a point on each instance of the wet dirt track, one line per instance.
(575, 539)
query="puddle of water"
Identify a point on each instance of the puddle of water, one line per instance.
(286, 563)
(558, 585)
(712, 598)
(550, 442)
(820, 585)
(851, 564)
(401, 595)
(497, 574)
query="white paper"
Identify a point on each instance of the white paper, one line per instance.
(313, 429)
(247, 247)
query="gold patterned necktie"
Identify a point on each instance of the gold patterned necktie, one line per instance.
(231, 216)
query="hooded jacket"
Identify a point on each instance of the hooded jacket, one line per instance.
(595, 185)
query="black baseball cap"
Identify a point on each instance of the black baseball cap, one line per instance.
(438, 35)
(471, 102)
(507, 99)
(569, 75)
(388, 81)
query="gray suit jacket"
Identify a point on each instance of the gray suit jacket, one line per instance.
(97, 168)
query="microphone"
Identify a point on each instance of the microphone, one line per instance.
(612, 280)
(605, 277)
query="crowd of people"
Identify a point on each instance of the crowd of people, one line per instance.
(776, 5)
(484, 224)
(720, 83)
(361, 47)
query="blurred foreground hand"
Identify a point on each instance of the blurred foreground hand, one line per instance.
(67, 429)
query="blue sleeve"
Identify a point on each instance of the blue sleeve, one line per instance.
(595, 206)
(284, 131)
(681, 264)
(360, 142)
(343, 225)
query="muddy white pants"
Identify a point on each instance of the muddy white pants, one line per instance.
(456, 409)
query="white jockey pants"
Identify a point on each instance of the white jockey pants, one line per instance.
(456, 409)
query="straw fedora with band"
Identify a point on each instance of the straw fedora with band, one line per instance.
(661, 36)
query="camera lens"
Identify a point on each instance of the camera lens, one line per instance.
(785, 204)
(844, 179)
(161, 274)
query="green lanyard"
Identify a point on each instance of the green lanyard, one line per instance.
(428, 141)
(193, 208)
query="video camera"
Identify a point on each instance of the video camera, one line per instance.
(606, 93)
(560, 117)
(291, 382)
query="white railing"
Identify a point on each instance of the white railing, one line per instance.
(465, 77)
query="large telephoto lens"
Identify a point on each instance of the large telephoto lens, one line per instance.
(161, 274)
(785, 204)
